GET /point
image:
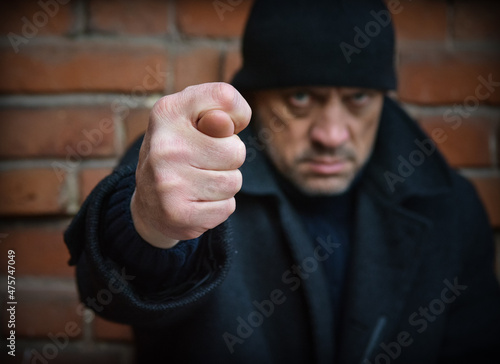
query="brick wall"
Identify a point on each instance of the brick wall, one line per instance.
(78, 78)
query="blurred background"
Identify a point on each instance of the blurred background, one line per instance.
(77, 80)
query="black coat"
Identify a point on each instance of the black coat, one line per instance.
(420, 288)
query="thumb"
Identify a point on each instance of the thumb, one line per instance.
(216, 123)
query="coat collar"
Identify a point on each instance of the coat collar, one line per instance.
(388, 237)
(405, 162)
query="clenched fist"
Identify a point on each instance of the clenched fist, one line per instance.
(188, 174)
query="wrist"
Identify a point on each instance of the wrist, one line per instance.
(146, 231)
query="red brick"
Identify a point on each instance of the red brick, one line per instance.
(110, 331)
(56, 132)
(465, 143)
(421, 20)
(26, 19)
(40, 251)
(212, 18)
(135, 124)
(232, 64)
(489, 191)
(196, 66)
(129, 17)
(42, 310)
(89, 178)
(446, 78)
(476, 20)
(31, 192)
(83, 66)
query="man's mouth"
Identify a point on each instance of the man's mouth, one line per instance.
(326, 165)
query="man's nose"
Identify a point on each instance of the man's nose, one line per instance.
(330, 129)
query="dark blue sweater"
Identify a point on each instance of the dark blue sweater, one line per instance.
(328, 220)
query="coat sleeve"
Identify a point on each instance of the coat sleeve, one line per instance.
(111, 291)
(473, 327)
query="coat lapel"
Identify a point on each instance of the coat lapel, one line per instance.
(385, 260)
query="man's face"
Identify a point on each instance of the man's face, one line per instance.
(318, 137)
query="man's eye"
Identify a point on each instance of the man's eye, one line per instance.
(300, 99)
(359, 98)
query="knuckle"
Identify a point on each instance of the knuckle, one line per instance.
(221, 214)
(248, 111)
(241, 153)
(237, 181)
(224, 149)
(169, 184)
(236, 153)
(168, 147)
(209, 189)
(224, 94)
(199, 221)
(171, 108)
(161, 106)
(231, 151)
(244, 109)
(220, 185)
(229, 182)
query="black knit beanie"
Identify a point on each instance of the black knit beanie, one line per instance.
(318, 43)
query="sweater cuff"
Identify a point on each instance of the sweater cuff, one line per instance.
(155, 267)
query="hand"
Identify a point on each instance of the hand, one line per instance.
(187, 173)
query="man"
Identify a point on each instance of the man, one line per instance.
(309, 247)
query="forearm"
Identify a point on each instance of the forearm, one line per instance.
(131, 302)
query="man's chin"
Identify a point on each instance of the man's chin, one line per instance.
(323, 186)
